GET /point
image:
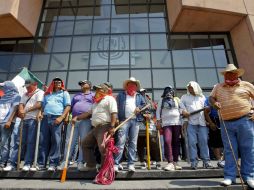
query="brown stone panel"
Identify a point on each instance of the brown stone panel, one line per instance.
(174, 8)
(242, 38)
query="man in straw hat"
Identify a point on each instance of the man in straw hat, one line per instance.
(233, 100)
(129, 101)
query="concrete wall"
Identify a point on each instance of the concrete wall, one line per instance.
(19, 18)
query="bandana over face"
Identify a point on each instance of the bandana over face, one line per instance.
(231, 78)
(131, 89)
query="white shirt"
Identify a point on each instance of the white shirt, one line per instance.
(37, 97)
(192, 103)
(130, 105)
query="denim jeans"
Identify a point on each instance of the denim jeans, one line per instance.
(241, 135)
(80, 131)
(198, 134)
(50, 141)
(5, 136)
(128, 131)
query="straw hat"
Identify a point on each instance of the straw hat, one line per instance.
(131, 79)
(232, 68)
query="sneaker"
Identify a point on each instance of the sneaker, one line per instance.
(131, 168)
(120, 167)
(52, 168)
(87, 168)
(154, 163)
(250, 183)
(26, 168)
(177, 167)
(116, 168)
(9, 168)
(143, 166)
(2, 166)
(170, 167)
(194, 165)
(221, 164)
(158, 166)
(80, 166)
(226, 182)
(61, 166)
(208, 165)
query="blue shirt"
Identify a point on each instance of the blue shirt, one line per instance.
(214, 112)
(55, 103)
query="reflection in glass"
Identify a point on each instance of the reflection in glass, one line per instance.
(59, 61)
(40, 62)
(158, 41)
(116, 77)
(20, 61)
(179, 42)
(100, 43)
(81, 43)
(64, 28)
(74, 77)
(119, 26)
(183, 77)
(43, 45)
(144, 76)
(157, 25)
(221, 58)
(62, 44)
(220, 41)
(162, 78)
(161, 59)
(85, 13)
(139, 41)
(156, 10)
(120, 11)
(203, 58)
(140, 59)
(102, 12)
(79, 61)
(50, 15)
(67, 13)
(138, 10)
(138, 25)
(83, 27)
(98, 77)
(101, 26)
(99, 60)
(200, 42)
(119, 59)
(119, 42)
(182, 58)
(47, 29)
(203, 81)
(52, 75)
(5, 61)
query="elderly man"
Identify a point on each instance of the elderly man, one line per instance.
(129, 101)
(233, 100)
(104, 112)
(197, 130)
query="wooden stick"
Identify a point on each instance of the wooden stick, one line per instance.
(37, 144)
(64, 172)
(20, 144)
(159, 140)
(148, 145)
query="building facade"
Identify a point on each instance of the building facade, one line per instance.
(159, 42)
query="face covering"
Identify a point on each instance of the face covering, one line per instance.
(231, 78)
(131, 89)
(99, 95)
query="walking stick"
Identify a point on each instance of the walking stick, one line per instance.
(159, 140)
(36, 146)
(64, 172)
(231, 148)
(148, 145)
(20, 144)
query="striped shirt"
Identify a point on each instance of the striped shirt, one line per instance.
(235, 100)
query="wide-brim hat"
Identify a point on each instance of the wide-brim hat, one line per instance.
(232, 68)
(131, 79)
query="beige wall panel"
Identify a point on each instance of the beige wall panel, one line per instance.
(7, 6)
(250, 6)
(244, 48)
(174, 8)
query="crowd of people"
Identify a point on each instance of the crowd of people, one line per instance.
(221, 124)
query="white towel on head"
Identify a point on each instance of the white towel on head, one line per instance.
(196, 88)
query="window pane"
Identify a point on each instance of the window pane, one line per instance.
(156, 10)
(53, 3)
(119, 42)
(86, 2)
(98, 77)
(5, 63)
(69, 3)
(50, 15)
(43, 45)
(81, 43)
(47, 29)
(74, 77)
(157, 25)
(119, 26)
(52, 75)
(85, 13)
(183, 77)
(161, 59)
(7, 46)
(203, 81)
(59, 61)
(200, 42)
(221, 58)
(162, 78)
(138, 25)
(138, 11)
(144, 76)
(158, 41)
(203, 58)
(139, 41)
(20, 61)
(157, 95)
(41, 75)
(79, 61)
(102, 12)
(100, 43)
(220, 42)
(67, 14)
(179, 42)
(101, 26)
(116, 77)
(40, 62)
(120, 11)
(24, 46)
(221, 77)
(99, 60)
(140, 59)
(138, 1)
(83, 27)
(119, 59)
(62, 44)
(64, 28)
(102, 2)
(182, 58)
(3, 77)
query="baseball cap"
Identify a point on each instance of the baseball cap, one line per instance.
(102, 86)
(84, 82)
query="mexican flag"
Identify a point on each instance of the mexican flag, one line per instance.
(19, 80)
